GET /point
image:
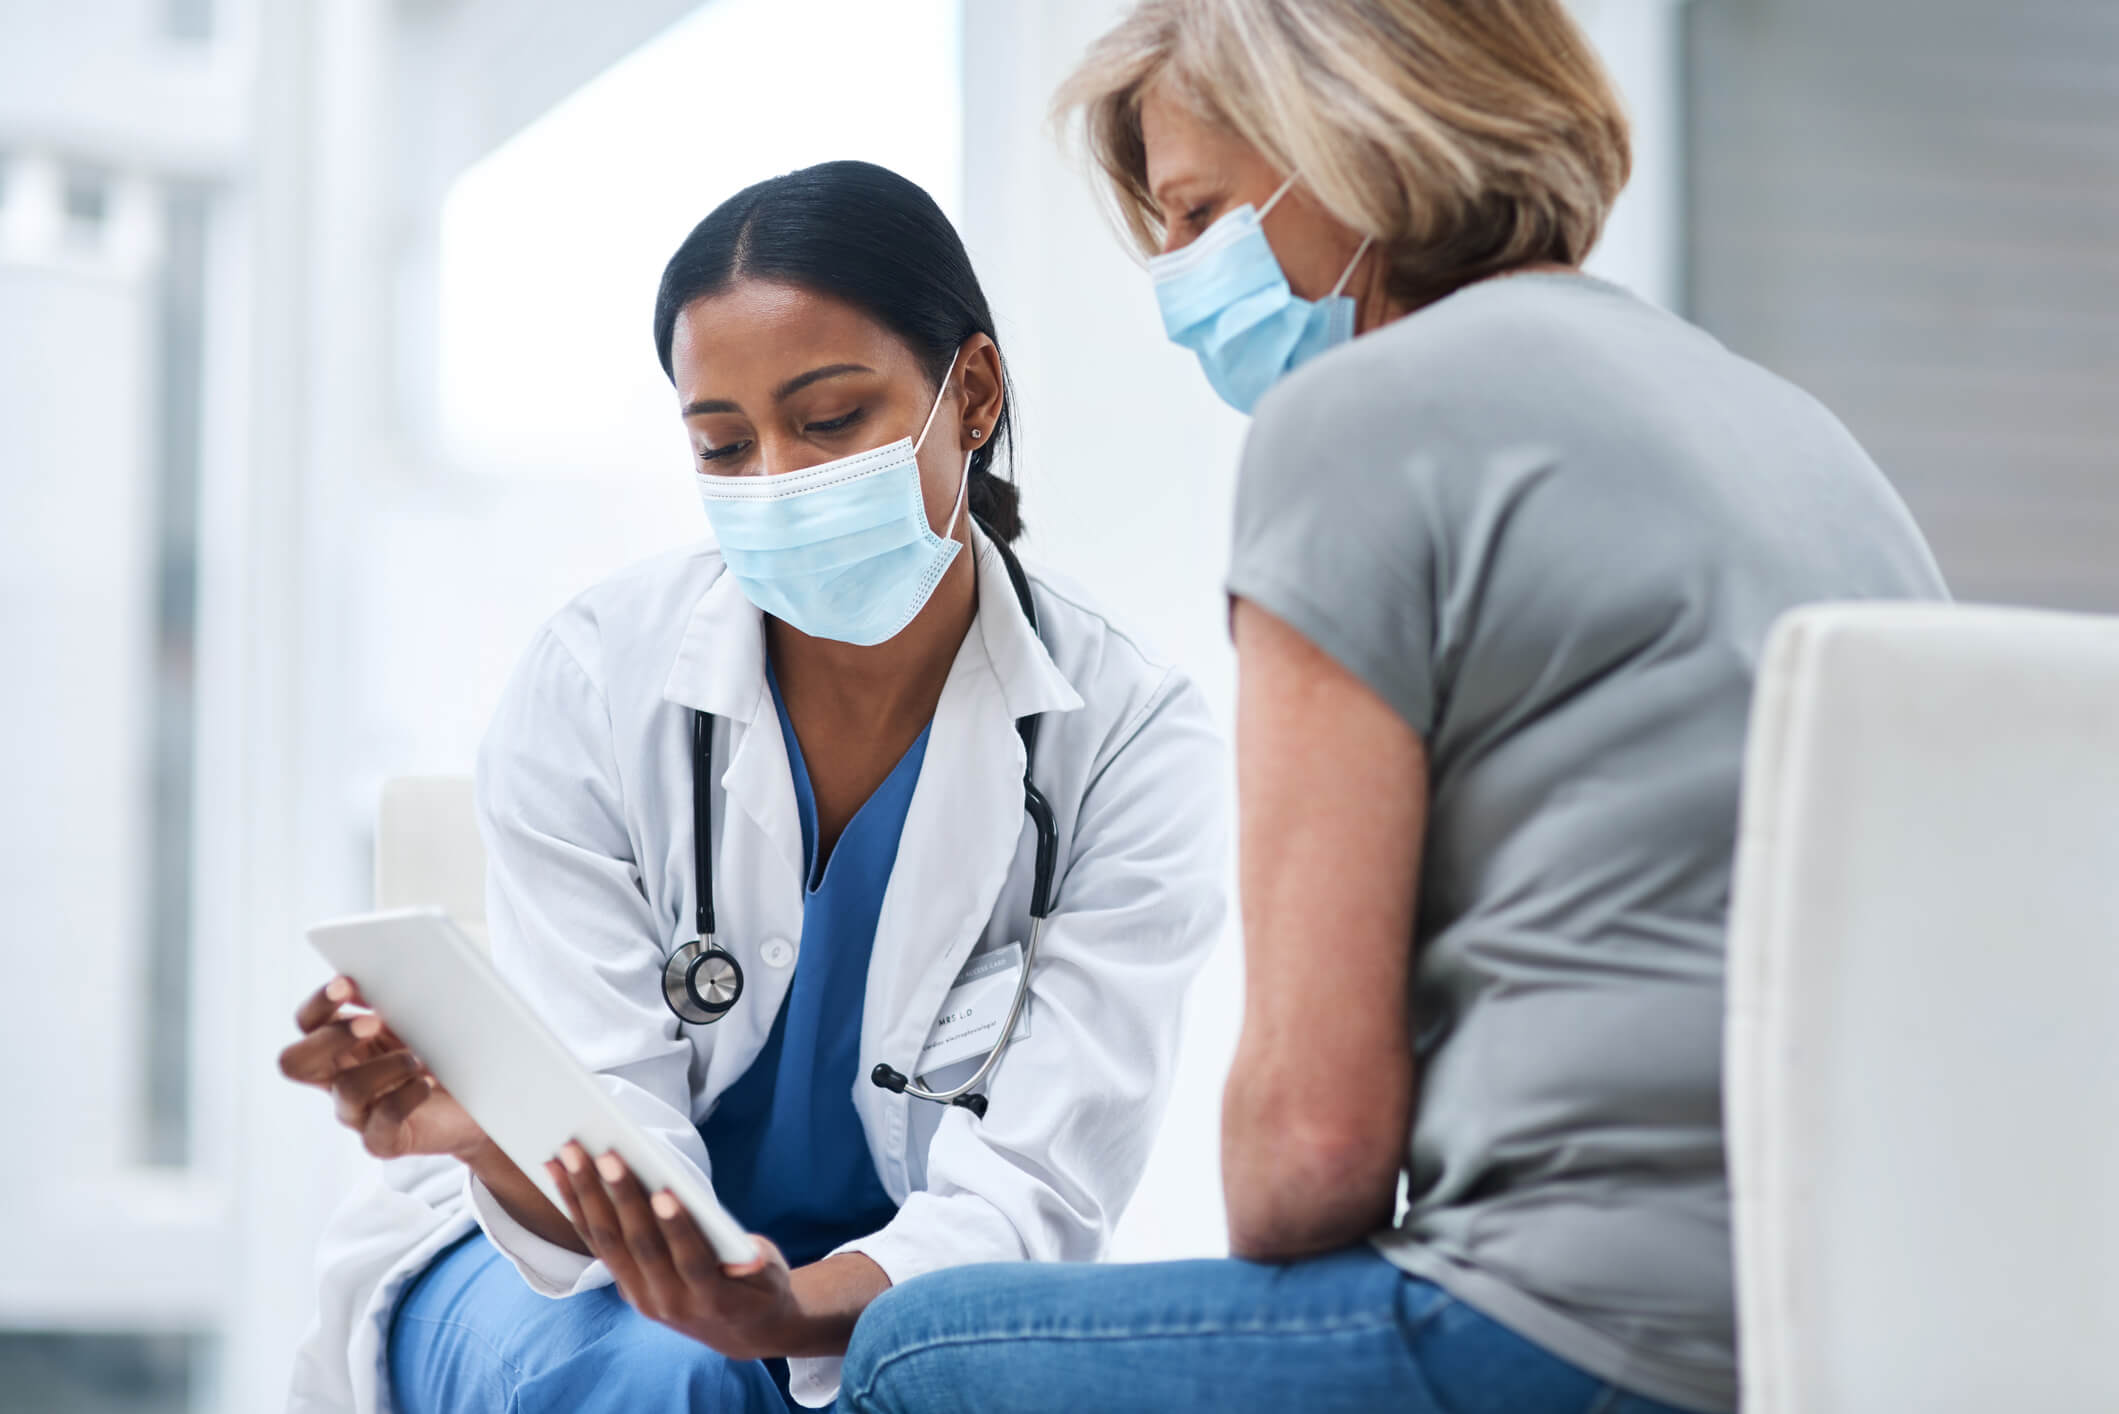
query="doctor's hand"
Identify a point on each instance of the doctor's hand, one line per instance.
(382, 1091)
(668, 1271)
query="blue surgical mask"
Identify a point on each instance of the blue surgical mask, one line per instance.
(841, 550)
(1225, 298)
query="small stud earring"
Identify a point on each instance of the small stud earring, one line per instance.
(977, 432)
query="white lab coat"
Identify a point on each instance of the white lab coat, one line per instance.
(585, 804)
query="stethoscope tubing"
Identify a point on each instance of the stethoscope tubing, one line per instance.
(993, 1057)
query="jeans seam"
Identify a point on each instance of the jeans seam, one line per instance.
(1334, 1326)
(1407, 1330)
(1607, 1397)
(1429, 1315)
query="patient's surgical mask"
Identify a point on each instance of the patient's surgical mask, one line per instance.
(841, 550)
(1226, 299)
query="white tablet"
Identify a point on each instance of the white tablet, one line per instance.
(436, 989)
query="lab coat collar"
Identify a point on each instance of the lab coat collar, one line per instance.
(720, 663)
(720, 669)
(1030, 681)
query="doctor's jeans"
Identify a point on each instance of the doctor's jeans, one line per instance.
(1343, 1334)
(469, 1336)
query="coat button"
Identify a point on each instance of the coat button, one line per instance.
(777, 952)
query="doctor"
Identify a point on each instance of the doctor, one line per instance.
(889, 718)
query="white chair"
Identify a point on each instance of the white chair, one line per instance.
(427, 850)
(1923, 1040)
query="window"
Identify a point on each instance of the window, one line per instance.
(71, 1372)
(551, 247)
(187, 19)
(85, 205)
(166, 1127)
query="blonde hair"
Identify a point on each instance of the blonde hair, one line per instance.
(1467, 137)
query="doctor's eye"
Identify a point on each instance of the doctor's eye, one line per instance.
(1197, 216)
(722, 452)
(837, 424)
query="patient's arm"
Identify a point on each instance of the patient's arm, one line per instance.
(1333, 794)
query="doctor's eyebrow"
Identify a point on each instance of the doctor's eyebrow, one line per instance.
(782, 393)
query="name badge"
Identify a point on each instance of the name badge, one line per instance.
(974, 1010)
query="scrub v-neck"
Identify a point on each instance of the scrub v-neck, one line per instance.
(790, 1159)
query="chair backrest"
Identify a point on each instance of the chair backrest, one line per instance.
(427, 850)
(1923, 1039)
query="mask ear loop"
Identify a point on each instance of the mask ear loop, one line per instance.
(1359, 251)
(963, 494)
(939, 394)
(1348, 273)
(963, 486)
(1274, 200)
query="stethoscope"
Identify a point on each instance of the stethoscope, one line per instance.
(702, 981)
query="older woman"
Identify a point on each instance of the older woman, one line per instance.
(1508, 543)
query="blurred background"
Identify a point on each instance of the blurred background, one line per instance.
(325, 375)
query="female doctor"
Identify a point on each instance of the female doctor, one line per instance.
(891, 722)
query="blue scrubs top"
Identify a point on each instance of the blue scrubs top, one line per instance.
(789, 1156)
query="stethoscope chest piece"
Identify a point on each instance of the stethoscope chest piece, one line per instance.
(702, 981)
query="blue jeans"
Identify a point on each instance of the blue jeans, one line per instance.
(470, 1336)
(1348, 1332)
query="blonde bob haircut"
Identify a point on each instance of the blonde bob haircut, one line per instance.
(1467, 137)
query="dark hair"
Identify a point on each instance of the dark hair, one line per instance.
(863, 234)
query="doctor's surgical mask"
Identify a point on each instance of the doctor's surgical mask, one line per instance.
(1225, 297)
(841, 550)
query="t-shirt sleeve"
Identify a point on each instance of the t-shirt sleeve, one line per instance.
(1339, 534)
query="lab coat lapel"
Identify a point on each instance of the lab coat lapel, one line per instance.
(962, 832)
(720, 669)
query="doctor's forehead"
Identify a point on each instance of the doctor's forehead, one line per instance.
(741, 343)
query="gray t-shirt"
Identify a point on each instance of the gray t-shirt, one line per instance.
(1551, 525)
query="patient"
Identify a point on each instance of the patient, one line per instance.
(1508, 544)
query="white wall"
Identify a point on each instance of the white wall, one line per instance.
(1643, 244)
(76, 507)
(1126, 458)
(94, 86)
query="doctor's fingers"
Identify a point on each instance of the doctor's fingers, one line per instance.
(694, 1260)
(597, 1222)
(665, 1289)
(322, 1004)
(358, 1091)
(725, 1287)
(319, 1057)
(388, 1132)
